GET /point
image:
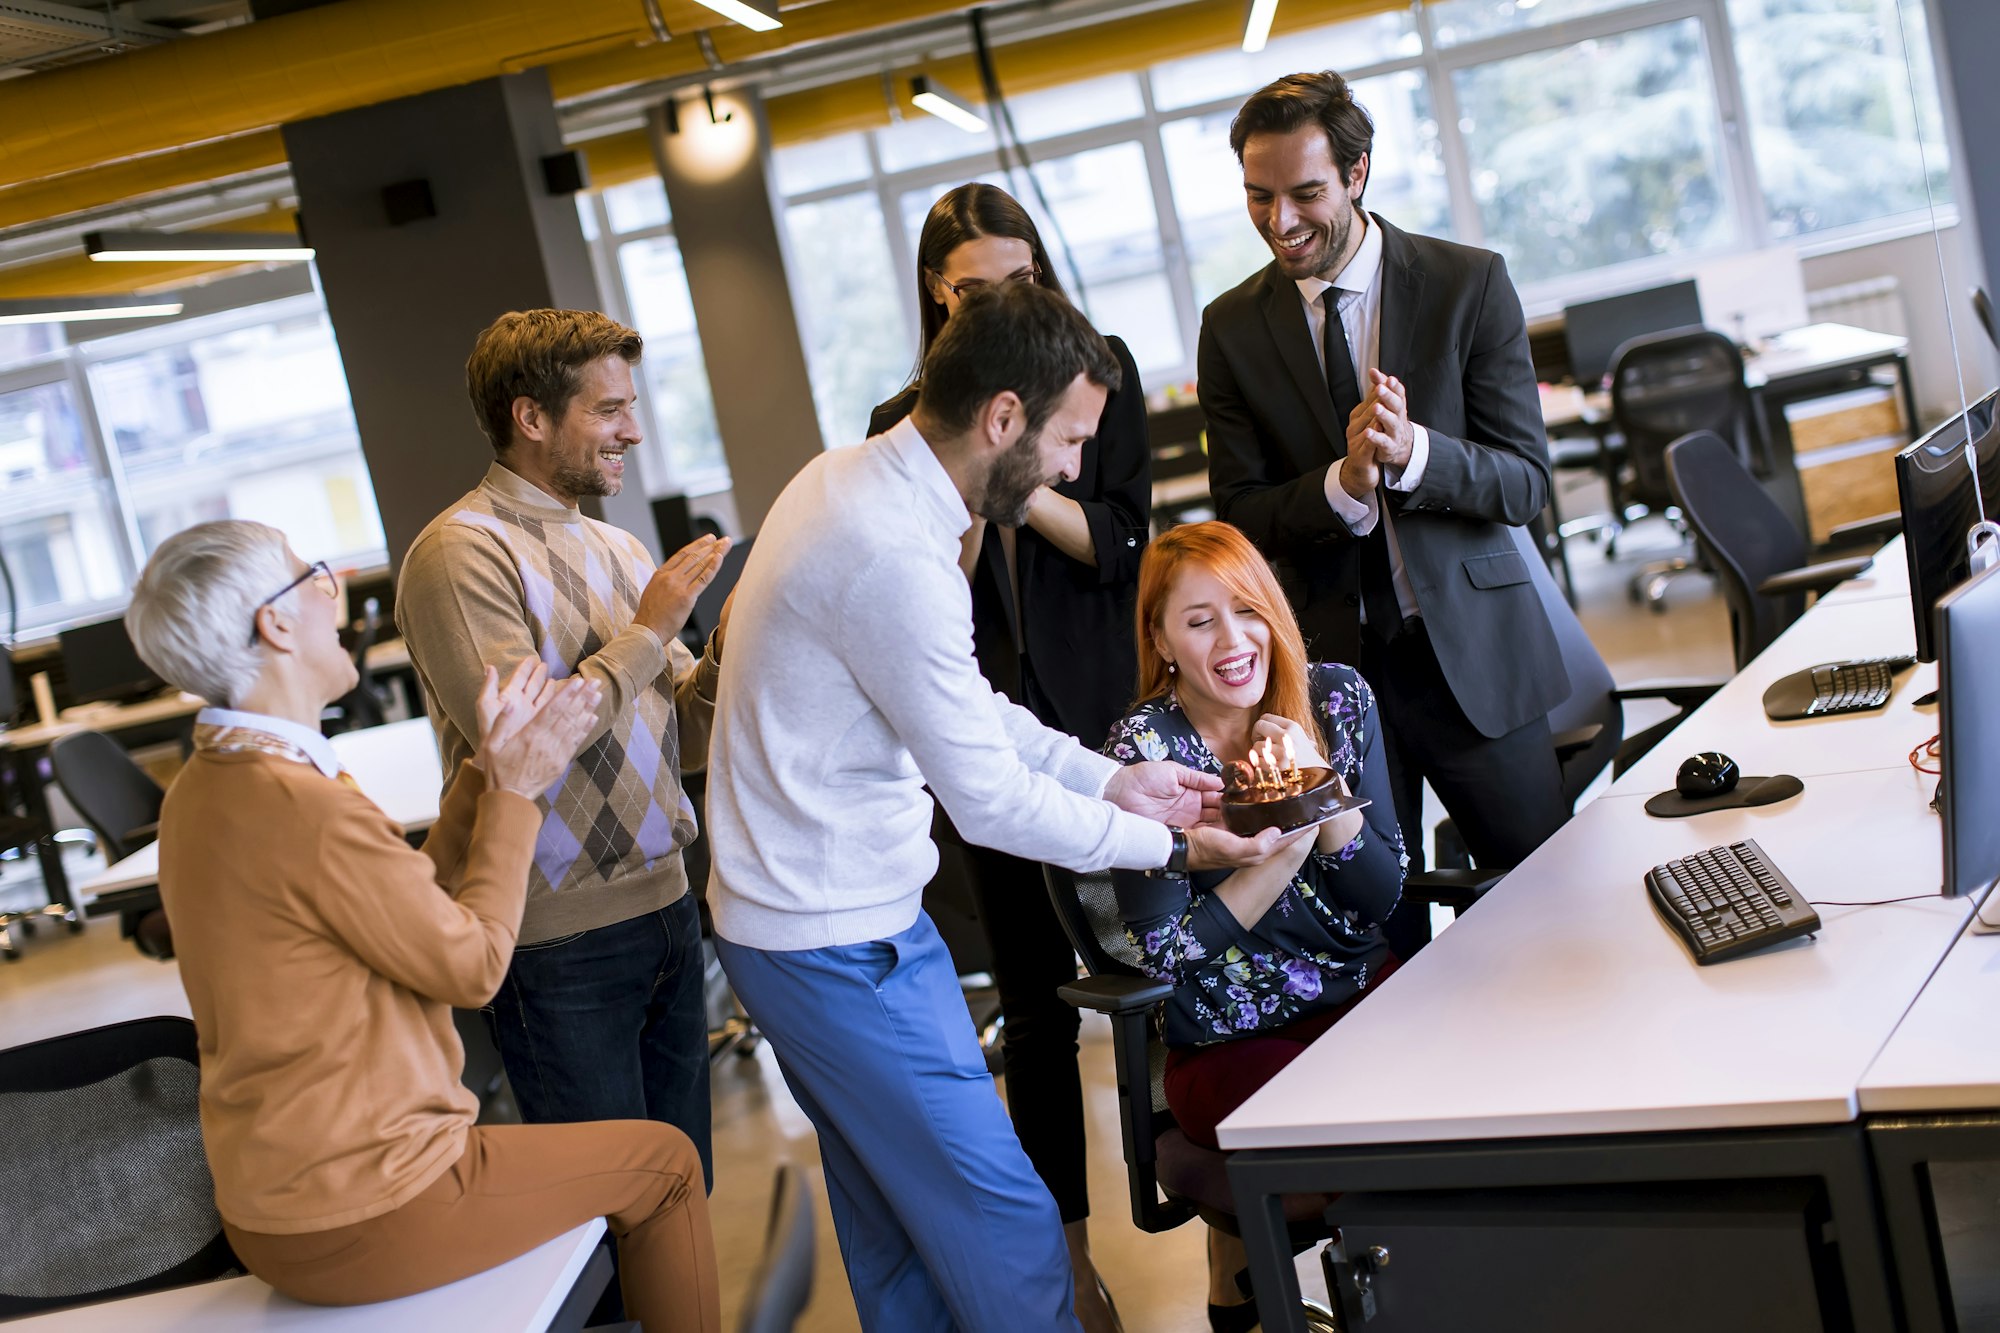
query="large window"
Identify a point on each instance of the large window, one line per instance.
(850, 298)
(1596, 153)
(107, 448)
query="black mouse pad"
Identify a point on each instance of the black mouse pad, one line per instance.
(1748, 792)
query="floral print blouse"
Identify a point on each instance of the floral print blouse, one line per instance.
(1321, 940)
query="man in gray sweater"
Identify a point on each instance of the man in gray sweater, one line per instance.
(848, 687)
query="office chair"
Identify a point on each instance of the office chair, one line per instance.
(22, 832)
(108, 1193)
(121, 803)
(1589, 725)
(1171, 1178)
(365, 704)
(1664, 385)
(783, 1282)
(1752, 546)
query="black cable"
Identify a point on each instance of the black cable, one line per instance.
(1004, 133)
(1876, 902)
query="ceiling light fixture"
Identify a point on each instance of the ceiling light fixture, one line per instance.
(70, 309)
(1257, 30)
(946, 106)
(756, 15)
(161, 247)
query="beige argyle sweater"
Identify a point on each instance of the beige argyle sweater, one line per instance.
(509, 572)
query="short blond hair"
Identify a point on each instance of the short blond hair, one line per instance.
(539, 355)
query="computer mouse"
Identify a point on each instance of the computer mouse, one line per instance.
(1710, 773)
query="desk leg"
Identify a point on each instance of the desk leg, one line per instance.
(1259, 1188)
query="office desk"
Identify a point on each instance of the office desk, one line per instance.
(1887, 577)
(1932, 1100)
(22, 748)
(396, 766)
(544, 1289)
(1733, 720)
(1558, 1034)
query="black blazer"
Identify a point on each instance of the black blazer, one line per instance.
(1453, 332)
(1077, 628)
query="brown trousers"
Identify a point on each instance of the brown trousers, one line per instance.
(516, 1187)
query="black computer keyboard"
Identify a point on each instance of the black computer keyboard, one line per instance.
(1834, 687)
(1729, 900)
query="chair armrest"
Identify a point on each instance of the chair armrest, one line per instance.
(1451, 887)
(1877, 529)
(1814, 578)
(1682, 694)
(1576, 740)
(143, 836)
(1114, 994)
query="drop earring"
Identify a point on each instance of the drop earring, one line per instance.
(1171, 668)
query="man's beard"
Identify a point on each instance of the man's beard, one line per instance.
(1326, 263)
(576, 481)
(1016, 476)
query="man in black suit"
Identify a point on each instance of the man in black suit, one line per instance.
(1378, 458)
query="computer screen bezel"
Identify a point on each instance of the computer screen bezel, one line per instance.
(1634, 299)
(130, 687)
(1940, 454)
(1969, 736)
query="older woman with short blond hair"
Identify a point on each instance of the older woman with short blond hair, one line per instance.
(322, 957)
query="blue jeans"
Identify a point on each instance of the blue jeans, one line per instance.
(608, 1024)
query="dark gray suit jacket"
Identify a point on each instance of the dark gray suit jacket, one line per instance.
(1453, 332)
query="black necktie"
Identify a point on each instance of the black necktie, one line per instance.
(1378, 590)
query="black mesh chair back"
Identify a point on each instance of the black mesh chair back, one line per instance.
(115, 796)
(1744, 534)
(1663, 386)
(108, 1193)
(782, 1284)
(1592, 700)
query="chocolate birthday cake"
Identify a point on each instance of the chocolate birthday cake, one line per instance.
(1293, 798)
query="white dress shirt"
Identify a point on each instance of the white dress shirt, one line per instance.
(317, 747)
(1361, 320)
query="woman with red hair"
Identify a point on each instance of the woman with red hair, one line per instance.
(1263, 959)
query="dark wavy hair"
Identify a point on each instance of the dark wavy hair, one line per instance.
(1011, 337)
(1286, 105)
(966, 214)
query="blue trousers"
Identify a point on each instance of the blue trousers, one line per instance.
(943, 1223)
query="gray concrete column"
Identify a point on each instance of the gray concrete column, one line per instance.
(409, 290)
(719, 189)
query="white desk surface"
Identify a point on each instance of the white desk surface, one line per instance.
(1943, 1056)
(103, 717)
(520, 1296)
(1562, 1004)
(396, 766)
(1889, 576)
(1734, 722)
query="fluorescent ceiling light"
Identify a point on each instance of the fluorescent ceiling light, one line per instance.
(1258, 30)
(756, 15)
(945, 106)
(70, 309)
(161, 247)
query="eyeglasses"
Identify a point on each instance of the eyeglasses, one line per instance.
(322, 578)
(1032, 273)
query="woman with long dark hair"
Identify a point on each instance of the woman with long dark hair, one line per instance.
(1051, 611)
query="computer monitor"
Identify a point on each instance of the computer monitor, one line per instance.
(1968, 625)
(1935, 489)
(1754, 294)
(1596, 329)
(101, 663)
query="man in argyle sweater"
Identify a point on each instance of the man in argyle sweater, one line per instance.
(601, 1016)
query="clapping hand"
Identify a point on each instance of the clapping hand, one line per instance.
(1379, 435)
(530, 726)
(670, 595)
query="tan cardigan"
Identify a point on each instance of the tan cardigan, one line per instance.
(322, 961)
